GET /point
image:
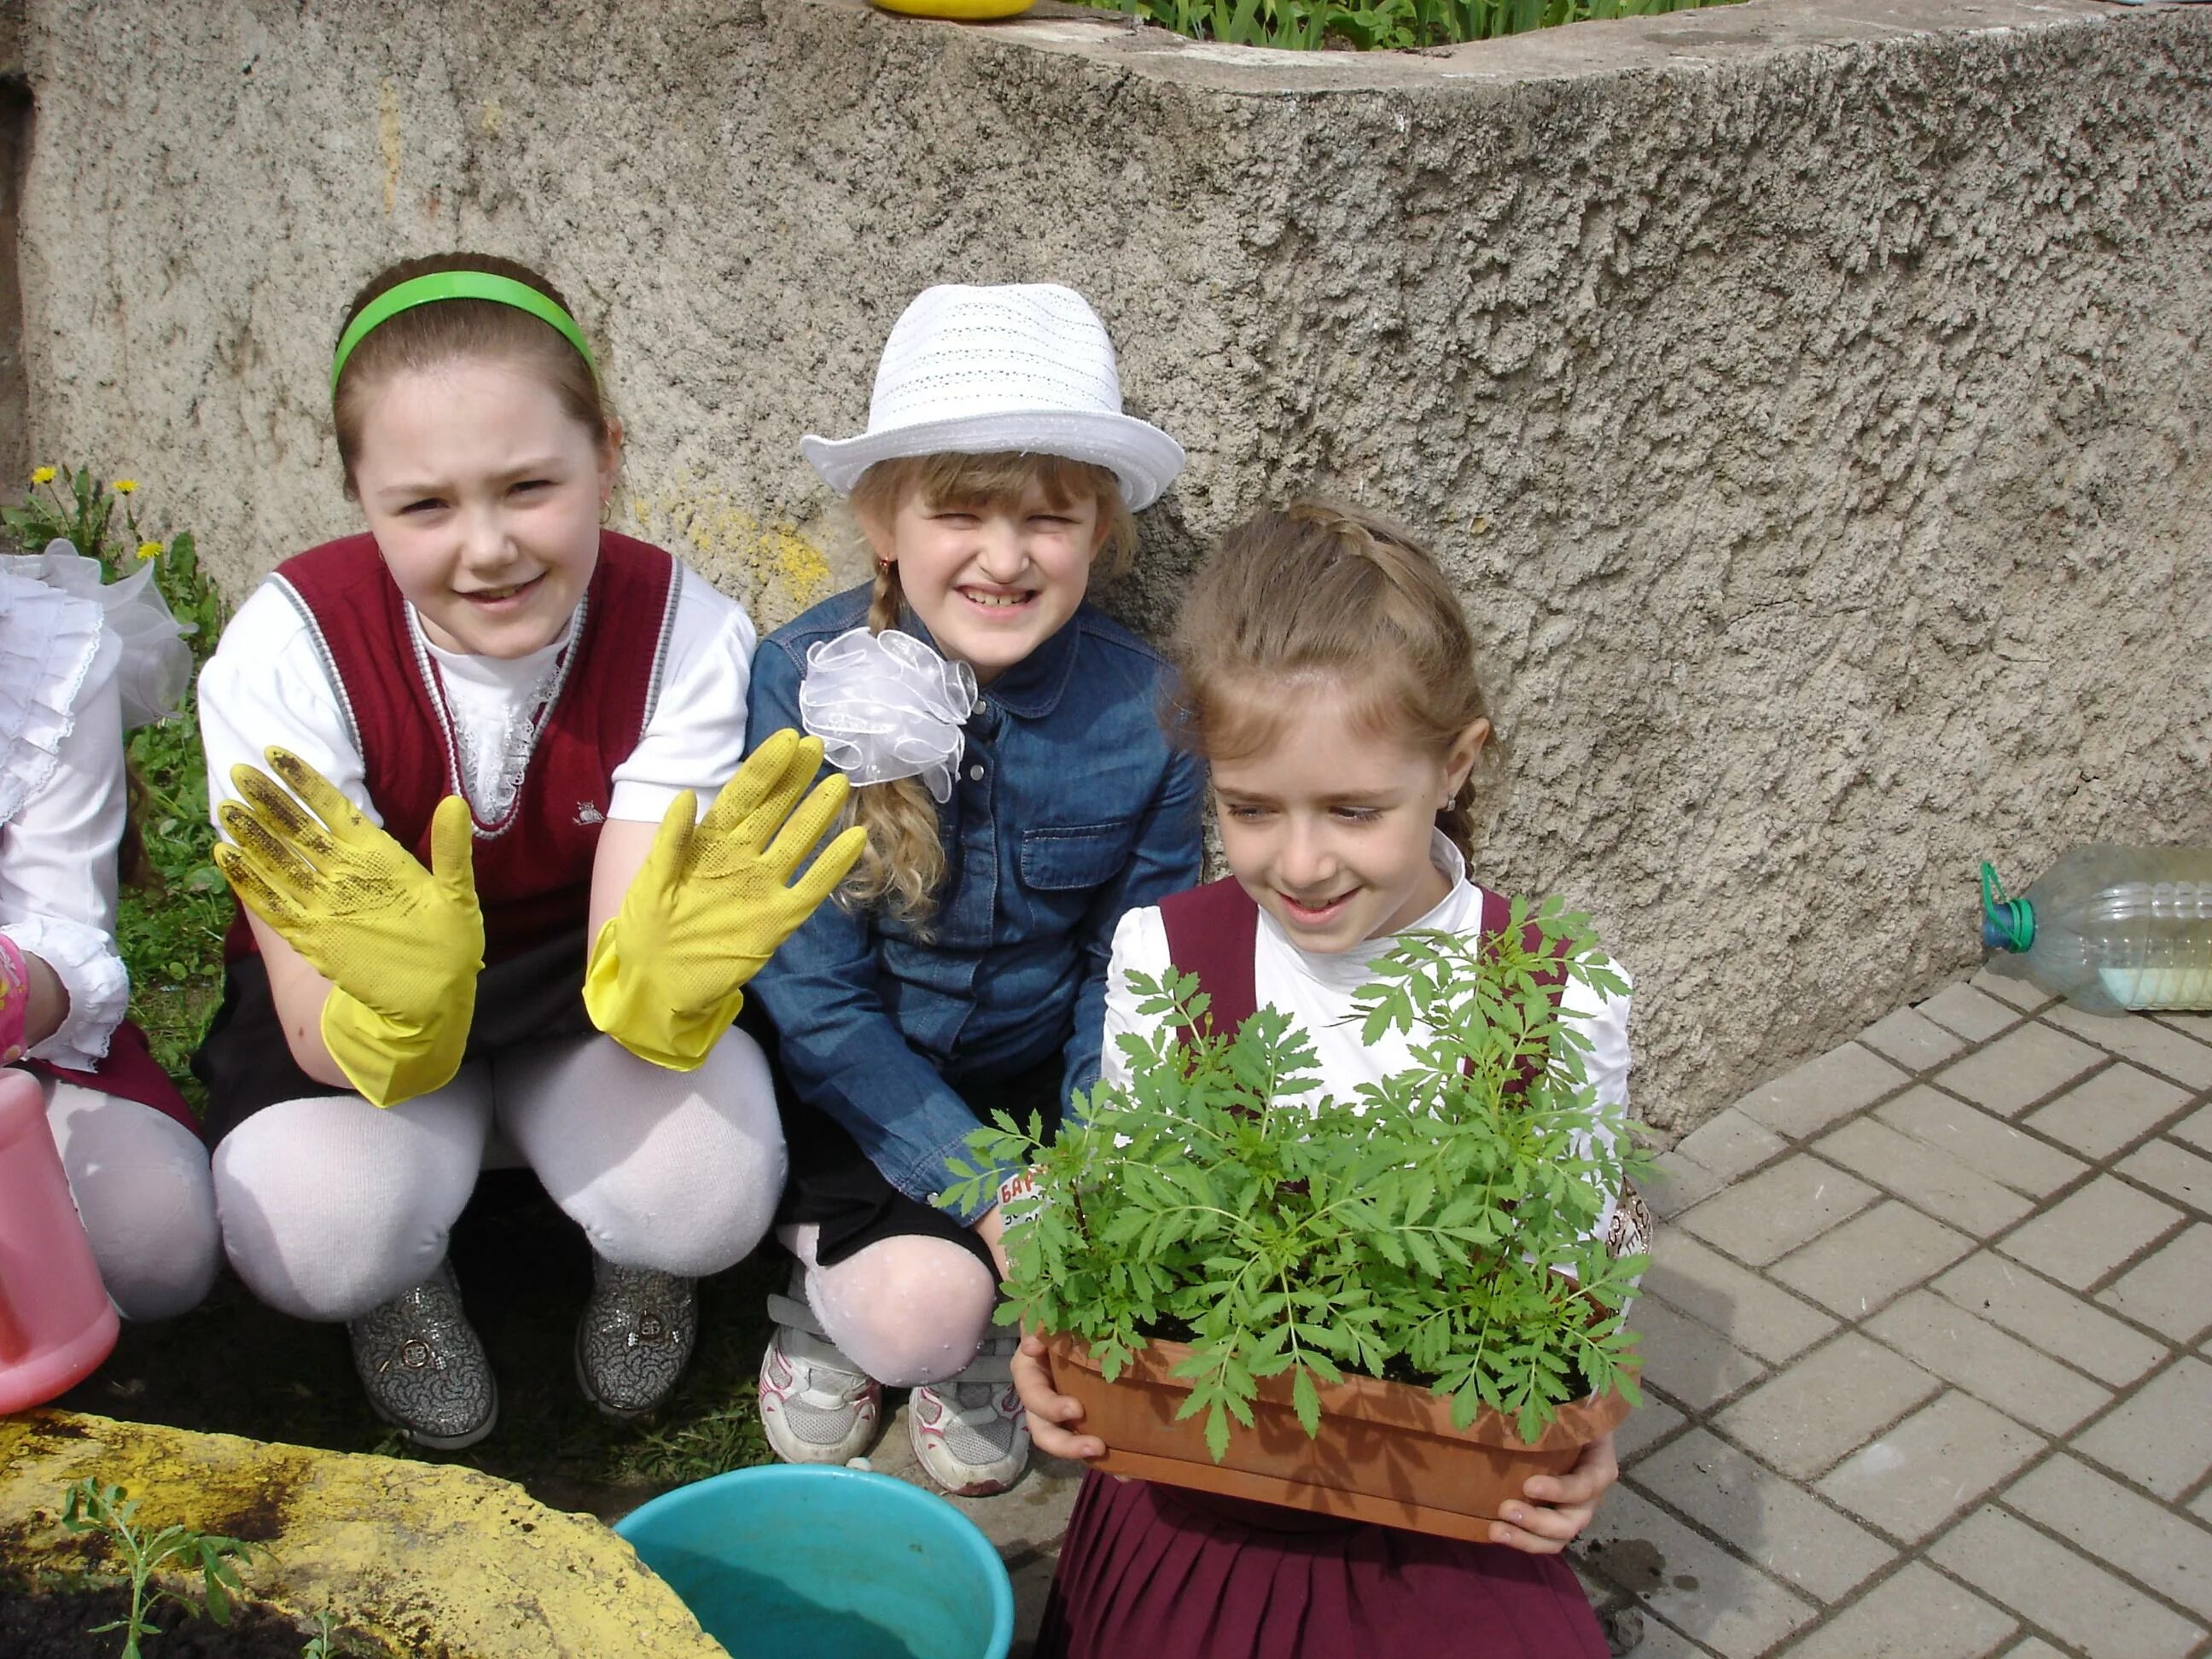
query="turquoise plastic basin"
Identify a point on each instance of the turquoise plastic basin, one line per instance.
(790, 1560)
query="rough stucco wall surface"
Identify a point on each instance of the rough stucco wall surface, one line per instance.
(1809, 400)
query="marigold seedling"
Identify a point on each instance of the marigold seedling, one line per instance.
(1439, 1226)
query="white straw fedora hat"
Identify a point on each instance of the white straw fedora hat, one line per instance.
(1025, 368)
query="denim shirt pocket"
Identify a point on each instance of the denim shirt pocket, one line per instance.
(1075, 857)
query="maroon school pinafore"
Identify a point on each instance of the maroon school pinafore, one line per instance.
(533, 867)
(1164, 1573)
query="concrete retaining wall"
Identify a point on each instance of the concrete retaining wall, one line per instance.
(1808, 396)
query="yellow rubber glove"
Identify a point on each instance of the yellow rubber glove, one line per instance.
(401, 945)
(714, 900)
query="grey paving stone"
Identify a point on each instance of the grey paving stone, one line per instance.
(2098, 1116)
(2022, 994)
(1649, 1424)
(1751, 1311)
(2197, 1025)
(1971, 1353)
(1689, 1363)
(2020, 1068)
(1974, 1015)
(1927, 1174)
(2201, 1506)
(1662, 1641)
(2195, 1129)
(1761, 1516)
(1914, 1613)
(1855, 1268)
(1031, 1517)
(1973, 1137)
(2055, 1321)
(2145, 1541)
(2159, 1437)
(2087, 1234)
(1804, 1102)
(2067, 1594)
(2171, 1290)
(1937, 1462)
(1781, 1206)
(2144, 1040)
(1911, 1040)
(2174, 1170)
(1676, 1183)
(1731, 1143)
(1717, 1600)
(2034, 1647)
(1825, 1406)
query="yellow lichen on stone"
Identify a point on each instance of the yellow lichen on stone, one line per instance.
(433, 1559)
(774, 567)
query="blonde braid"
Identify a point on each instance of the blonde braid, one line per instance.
(904, 862)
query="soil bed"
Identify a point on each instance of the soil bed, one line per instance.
(58, 1627)
(234, 1366)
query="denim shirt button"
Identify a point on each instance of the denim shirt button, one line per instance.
(974, 774)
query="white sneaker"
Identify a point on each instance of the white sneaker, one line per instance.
(815, 1408)
(972, 1436)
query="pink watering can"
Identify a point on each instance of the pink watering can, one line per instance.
(55, 1321)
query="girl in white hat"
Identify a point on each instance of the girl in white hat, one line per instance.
(1018, 798)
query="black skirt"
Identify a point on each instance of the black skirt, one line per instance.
(835, 1187)
(247, 1064)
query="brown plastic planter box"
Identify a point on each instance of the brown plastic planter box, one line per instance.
(1387, 1452)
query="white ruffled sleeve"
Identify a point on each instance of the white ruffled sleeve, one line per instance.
(267, 686)
(58, 847)
(695, 736)
(1140, 945)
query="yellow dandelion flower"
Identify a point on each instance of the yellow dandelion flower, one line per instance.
(150, 549)
(44, 475)
(125, 486)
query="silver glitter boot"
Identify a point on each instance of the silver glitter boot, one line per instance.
(423, 1367)
(635, 1338)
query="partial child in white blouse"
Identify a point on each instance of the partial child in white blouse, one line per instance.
(1325, 673)
(129, 1144)
(483, 905)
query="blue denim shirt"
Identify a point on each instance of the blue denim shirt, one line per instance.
(1069, 808)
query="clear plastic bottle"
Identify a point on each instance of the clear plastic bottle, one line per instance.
(2109, 929)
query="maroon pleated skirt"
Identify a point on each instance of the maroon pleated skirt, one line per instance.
(1153, 1572)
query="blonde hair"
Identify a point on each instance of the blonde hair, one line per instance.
(904, 864)
(425, 337)
(1322, 591)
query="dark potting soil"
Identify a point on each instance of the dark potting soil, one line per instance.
(58, 1626)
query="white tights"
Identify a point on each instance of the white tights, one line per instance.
(330, 1206)
(905, 1310)
(140, 1179)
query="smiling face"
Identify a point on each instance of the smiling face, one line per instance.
(991, 580)
(1326, 824)
(484, 493)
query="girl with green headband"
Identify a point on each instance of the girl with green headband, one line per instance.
(458, 759)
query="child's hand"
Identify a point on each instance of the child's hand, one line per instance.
(1558, 1506)
(401, 945)
(1052, 1416)
(713, 901)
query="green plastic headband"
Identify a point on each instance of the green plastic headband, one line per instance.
(457, 285)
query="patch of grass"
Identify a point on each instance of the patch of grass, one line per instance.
(1376, 25)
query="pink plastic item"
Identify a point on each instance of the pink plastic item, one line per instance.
(55, 1321)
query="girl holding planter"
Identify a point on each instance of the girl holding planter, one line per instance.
(1328, 675)
(1018, 798)
(479, 895)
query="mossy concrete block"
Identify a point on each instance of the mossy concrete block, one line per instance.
(437, 1560)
